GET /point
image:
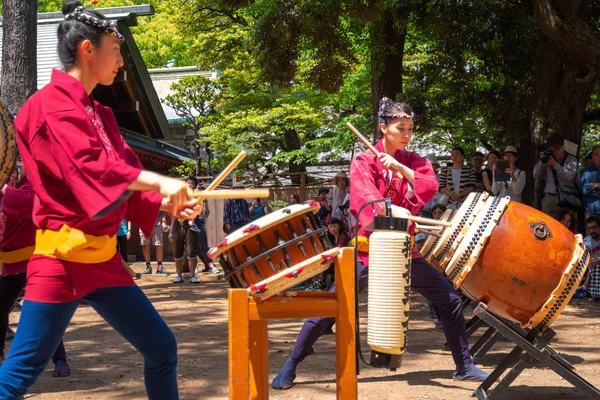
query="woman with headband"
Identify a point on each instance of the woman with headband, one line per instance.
(87, 180)
(372, 179)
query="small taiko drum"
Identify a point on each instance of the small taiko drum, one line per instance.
(522, 263)
(277, 251)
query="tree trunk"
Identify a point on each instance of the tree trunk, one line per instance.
(19, 59)
(387, 55)
(564, 80)
(292, 142)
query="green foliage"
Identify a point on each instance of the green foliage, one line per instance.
(269, 136)
(195, 99)
(186, 169)
(291, 73)
(277, 204)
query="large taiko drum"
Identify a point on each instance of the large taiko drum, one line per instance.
(277, 251)
(8, 146)
(522, 263)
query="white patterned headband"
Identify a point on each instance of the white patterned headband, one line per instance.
(389, 116)
(107, 26)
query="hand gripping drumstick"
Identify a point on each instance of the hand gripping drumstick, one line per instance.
(369, 145)
(426, 221)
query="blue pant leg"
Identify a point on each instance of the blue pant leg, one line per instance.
(60, 353)
(41, 328)
(428, 281)
(313, 328)
(132, 315)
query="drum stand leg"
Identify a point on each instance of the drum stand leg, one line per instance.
(529, 346)
(248, 332)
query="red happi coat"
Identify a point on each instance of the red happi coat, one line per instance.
(16, 226)
(78, 164)
(370, 180)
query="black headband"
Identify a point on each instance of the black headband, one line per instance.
(106, 25)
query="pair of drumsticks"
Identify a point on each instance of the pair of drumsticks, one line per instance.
(210, 193)
(424, 225)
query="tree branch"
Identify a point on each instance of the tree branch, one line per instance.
(571, 33)
(238, 19)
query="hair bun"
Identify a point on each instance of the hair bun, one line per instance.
(383, 101)
(70, 5)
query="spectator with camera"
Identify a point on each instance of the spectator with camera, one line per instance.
(559, 169)
(258, 208)
(457, 181)
(507, 179)
(590, 184)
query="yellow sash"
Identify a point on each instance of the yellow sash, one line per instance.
(15, 256)
(71, 244)
(363, 243)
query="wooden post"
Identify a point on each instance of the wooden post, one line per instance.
(238, 345)
(345, 326)
(259, 360)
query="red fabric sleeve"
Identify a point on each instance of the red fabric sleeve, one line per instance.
(95, 180)
(17, 202)
(364, 189)
(424, 187)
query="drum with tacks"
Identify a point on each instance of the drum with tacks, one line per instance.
(277, 251)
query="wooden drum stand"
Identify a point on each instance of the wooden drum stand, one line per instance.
(248, 331)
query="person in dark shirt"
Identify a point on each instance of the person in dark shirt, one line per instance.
(235, 212)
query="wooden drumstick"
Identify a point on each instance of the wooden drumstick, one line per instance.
(231, 194)
(430, 233)
(428, 221)
(221, 177)
(369, 145)
(228, 169)
(430, 228)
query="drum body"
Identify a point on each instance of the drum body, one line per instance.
(288, 246)
(522, 263)
(8, 146)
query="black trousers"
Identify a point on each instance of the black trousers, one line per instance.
(203, 244)
(122, 246)
(10, 288)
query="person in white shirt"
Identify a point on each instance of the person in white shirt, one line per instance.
(563, 166)
(515, 185)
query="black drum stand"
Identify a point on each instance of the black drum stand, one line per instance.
(531, 347)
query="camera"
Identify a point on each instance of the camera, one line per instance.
(547, 155)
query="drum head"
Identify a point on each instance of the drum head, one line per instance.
(256, 227)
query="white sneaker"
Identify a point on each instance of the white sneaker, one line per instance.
(178, 279)
(193, 279)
